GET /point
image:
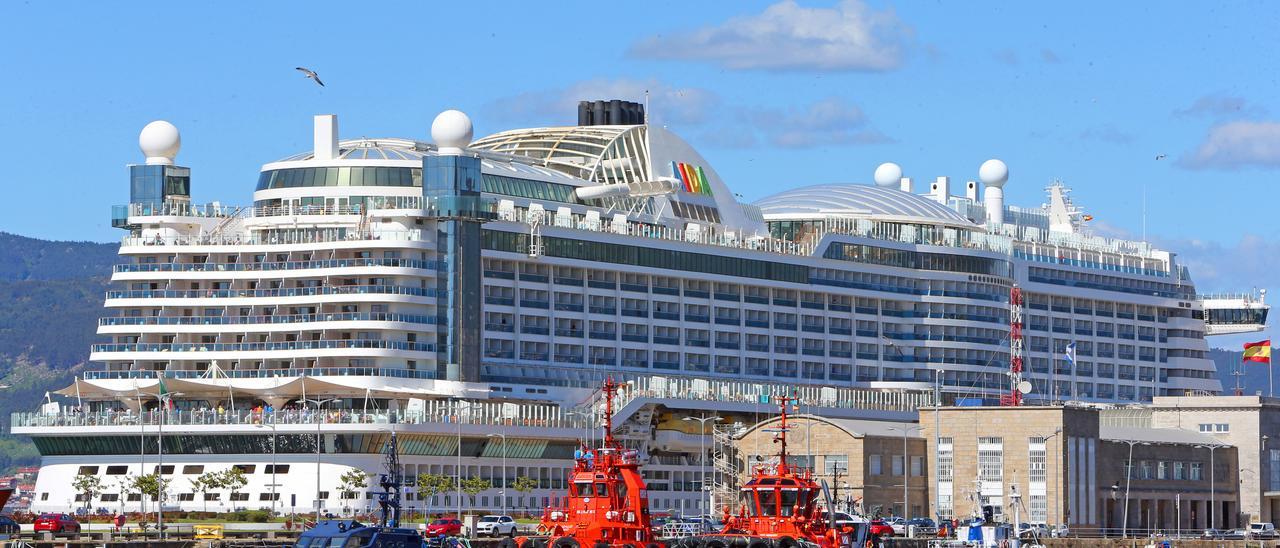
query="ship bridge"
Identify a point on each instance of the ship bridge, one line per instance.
(1234, 313)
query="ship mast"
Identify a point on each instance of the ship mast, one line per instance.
(783, 402)
(609, 389)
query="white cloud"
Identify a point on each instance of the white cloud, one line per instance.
(667, 104)
(1219, 105)
(1107, 133)
(1235, 145)
(831, 121)
(786, 36)
(1250, 263)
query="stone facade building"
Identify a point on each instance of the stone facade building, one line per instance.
(861, 460)
(1068, 466)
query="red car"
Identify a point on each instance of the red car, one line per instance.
(444, 527)
(879, 528)
(57, 523)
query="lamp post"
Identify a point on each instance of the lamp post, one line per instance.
(162, 398)
(273, 462)
(906, 470)
(503, 491)
(1128, 476)
(1213, 483)
(702, 456)
(1056, 478)
(319, 403)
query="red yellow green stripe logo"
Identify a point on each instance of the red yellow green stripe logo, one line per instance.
(693, 177)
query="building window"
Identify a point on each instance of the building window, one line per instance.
(991, 459)
(1037, 455)
(1162, 470)
(874, 463)
(897, 465)
(917, 466)
(1145, 468)
(1039, 508)
(1275, 469)
(1178, 471)
(1197, 471)
(832, 463)
(946, 459)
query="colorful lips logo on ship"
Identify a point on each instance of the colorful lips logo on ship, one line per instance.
(695, 181)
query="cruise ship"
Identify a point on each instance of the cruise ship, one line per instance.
(468, 294)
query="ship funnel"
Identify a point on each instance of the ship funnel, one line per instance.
(326, 137)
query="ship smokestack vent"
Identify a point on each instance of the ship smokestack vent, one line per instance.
(614, 112)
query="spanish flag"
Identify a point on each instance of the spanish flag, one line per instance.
(1258, 352)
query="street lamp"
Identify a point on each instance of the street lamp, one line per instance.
(1213, 482)
(1056, 478)
(702, 456)
(273, 461)
(319, 418)
(503, 491)
(162, 398)
(906, 470)
(1128, 476)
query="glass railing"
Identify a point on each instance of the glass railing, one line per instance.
(272, 319)
(281, 238)
(265, 346)
(281, 292)
(261, 373)
(681, 388)
(437, 412)
(274, 266)
(183, 209)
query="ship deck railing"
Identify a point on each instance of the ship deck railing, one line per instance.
(476, 413)
(1074, 249)
(768, 394)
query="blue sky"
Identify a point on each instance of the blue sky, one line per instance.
(774, 94)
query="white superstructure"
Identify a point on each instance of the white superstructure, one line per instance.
(459, 290)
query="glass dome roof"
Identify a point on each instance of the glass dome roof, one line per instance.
(858, 201)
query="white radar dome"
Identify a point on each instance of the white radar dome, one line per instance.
(993, 173)
(159, 142)
(888, 174)
(452, 130)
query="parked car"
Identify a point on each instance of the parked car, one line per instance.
(1234, 534)
(879, 528)
(1033, 530)
(899, 525)
(843, 518)
(1211, 534)
(921, 527)
(444, 527)
(8, 526)
(493, 526)
(1263, 531)
(56, 523)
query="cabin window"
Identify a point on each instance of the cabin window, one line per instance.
(622, 492)
(602, 490)
(747, 500)
(582, 489)
(769, 502)
(789, 499)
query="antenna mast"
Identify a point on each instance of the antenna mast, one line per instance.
(1014, 398)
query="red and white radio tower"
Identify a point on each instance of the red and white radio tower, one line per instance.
(1014, 397)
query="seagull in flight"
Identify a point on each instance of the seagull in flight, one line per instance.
(1158, 156)
(311, 74)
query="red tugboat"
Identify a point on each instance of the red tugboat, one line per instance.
(607, 505)
(780, 509)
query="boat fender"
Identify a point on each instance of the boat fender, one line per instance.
(788, 542)
(715, 543)
(759, 543)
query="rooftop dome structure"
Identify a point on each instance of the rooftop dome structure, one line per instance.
(853, 200)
